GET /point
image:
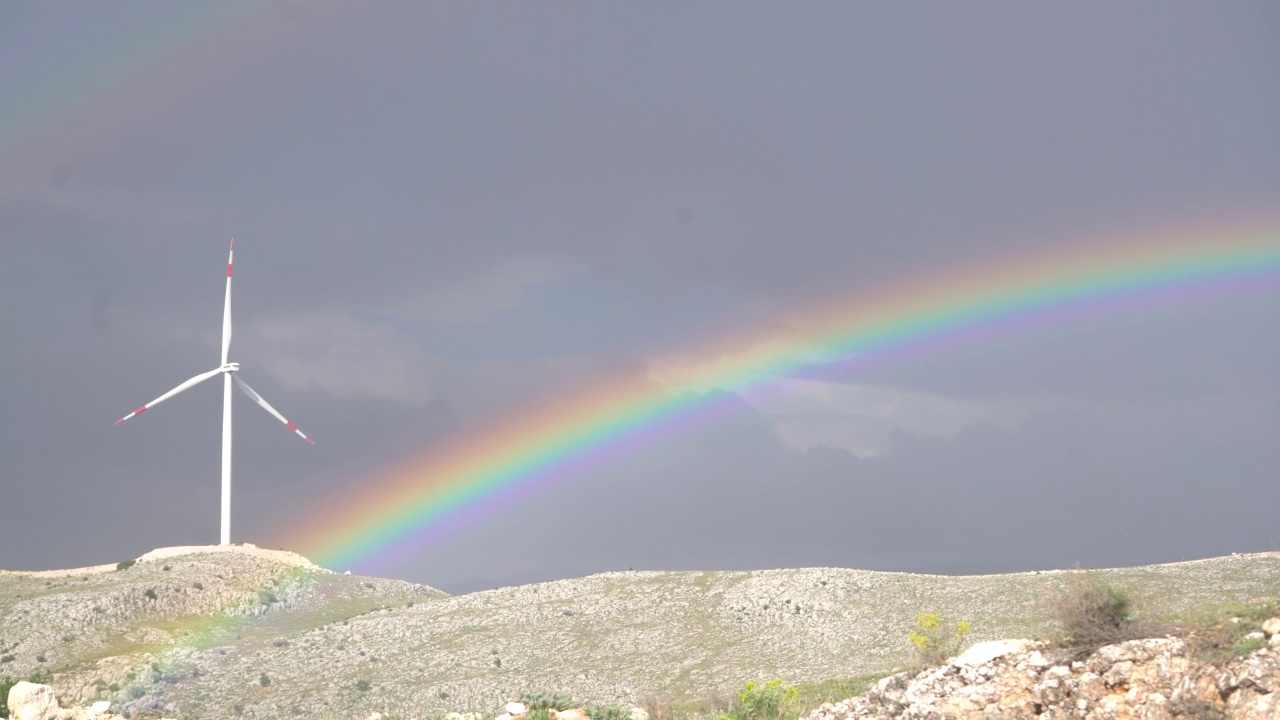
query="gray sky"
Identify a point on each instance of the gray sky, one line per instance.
(445, 213)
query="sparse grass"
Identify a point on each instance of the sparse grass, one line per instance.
(814, 694)
(1221, 633)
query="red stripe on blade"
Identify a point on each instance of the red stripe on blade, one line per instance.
(140, 410)
(291, 425)
(228, 269)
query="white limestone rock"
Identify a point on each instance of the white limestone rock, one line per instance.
(31, 701)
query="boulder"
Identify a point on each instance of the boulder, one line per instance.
(1271, 626)
(99, 708)
(984, 652)
(31, 701)
(573, 714)
(515, 709)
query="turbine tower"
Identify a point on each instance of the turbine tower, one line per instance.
(227, 370)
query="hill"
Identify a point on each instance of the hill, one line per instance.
(242, 632)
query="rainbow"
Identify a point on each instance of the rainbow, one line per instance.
(178, 60)
(450, 486)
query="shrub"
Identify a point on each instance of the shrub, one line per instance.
(1090, 611)
(608, 712)
(150, 593)
(267, 597)
(769, 700)
(548, 701)
(363, 685)
(937, 640)
(197, 585)
(125, 564)
(263, 680)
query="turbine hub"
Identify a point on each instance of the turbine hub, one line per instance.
(231, 367)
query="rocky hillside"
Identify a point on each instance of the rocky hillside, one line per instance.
(1152, 679)
(257, 634)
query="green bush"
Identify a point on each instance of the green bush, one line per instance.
(549, 701)
(263, 680)
(769, 700)
(363, 685)
(608, 712)
(125, 564)
(935, 639)
(1091, 612)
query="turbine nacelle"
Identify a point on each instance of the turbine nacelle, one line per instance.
(230, 367)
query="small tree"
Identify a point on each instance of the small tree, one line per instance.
(936, 640)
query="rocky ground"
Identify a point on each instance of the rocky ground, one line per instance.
(1152, 679)
(253, 635)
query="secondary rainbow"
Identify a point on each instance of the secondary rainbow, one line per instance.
(177, 59)
(448, 486)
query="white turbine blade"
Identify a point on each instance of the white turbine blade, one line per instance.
(192, 382)
(226, 306)
(267, 406)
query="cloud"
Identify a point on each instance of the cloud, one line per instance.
(346, 357)
(859, 418)
(864, 418)
(473, 297)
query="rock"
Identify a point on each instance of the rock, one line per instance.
(574, 714)
(1271, 626)
(639, 713)
(984, 652)
(99, 708)
(515, 709)
(30, 701)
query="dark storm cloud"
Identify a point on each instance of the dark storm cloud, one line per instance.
(445, 212)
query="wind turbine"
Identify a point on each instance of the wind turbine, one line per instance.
(227, 370)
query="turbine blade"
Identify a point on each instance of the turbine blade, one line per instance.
(267, 406)
(226, 306)
(190, 383)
